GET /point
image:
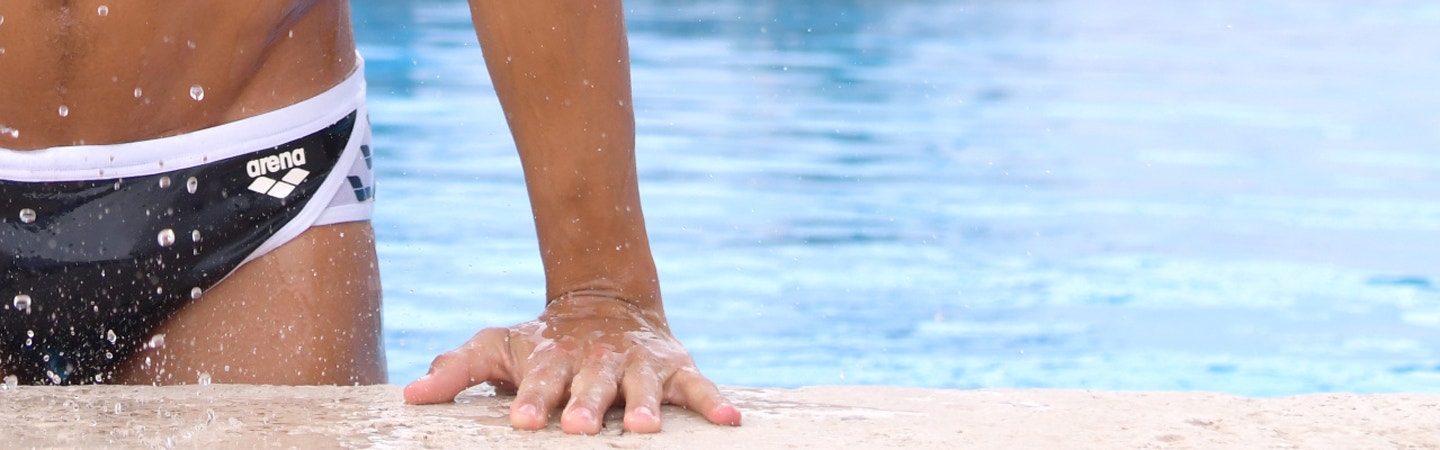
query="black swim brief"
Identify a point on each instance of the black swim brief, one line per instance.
(91, 265)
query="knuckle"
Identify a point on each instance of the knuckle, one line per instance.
(641, 369)
(448, 358)
(493, 332)
(642, 354)
(599, 353)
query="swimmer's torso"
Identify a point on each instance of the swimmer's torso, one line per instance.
(109, 71)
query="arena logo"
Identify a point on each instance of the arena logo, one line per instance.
(259, 167)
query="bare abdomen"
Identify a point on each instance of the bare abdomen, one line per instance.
(103, 71)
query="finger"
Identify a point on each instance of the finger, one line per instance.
(692, 390)
(642, 400)
(591, 393)
(481, 359)
(541, 390)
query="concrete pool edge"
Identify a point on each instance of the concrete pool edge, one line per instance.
(812, 417)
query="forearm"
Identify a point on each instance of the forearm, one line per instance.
(562, 72)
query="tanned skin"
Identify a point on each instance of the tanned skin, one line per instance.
(309, 312)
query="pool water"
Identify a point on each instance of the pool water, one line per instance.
(1236, 196)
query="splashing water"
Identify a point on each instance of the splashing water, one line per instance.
(197, 92)
(27, 215)
(166, 237)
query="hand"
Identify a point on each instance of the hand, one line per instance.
(593, 349)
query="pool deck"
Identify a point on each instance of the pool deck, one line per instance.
(230, 416)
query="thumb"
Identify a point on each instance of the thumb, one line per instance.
(482, 359)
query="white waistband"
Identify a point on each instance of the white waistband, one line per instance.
(97, 162)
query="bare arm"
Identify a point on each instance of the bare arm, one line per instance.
(562, 72)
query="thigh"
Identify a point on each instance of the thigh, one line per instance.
(306, 313)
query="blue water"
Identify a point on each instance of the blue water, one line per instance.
(1238, 195)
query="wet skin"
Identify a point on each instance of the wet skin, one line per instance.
(308, 313)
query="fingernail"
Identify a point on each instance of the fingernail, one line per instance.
(528, 409)
(644, 411)
(583, 414)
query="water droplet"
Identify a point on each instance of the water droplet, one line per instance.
(103, 10)
(139, 92)
(165, 182)
(195, 293)
(29, 333)
(117, 408)
(117, 185)
(156, 341)
(22, 302)
(192, 185)
(12, 381)
(190, 44)
(27, 215)
(195, 235)
(13, 133)
(64, 111)
(205, 381)
(110, 336)
(166, 237)
(197, 92)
